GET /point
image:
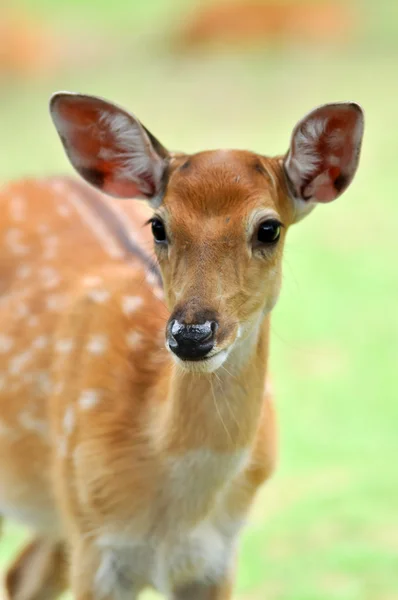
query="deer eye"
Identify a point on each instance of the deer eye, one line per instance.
(158, 230)
(269, 232)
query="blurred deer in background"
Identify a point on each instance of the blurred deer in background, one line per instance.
(239, 22)
(133, 437)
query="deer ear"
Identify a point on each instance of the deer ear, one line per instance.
(109, 147)
(324, 154)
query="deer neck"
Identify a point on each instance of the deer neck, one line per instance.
(217, 411)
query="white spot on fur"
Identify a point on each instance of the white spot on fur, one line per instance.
(133, 339)
(14, 243)
(59, 186)
(44, 383)
(91, 280)
(58, 388)
(17, 208)
(63, 210)
(64, 345)
(62, 447)
(31, 423)
(151, 278)
(99, 295)
(6, 343)
(42, 228)
(97, 344)
(23, 271)
(89, 398)
(18, 363)
(131, 303)
(69, 420)
(158, 293)
(21, 310)
(50, 277)
(40, 342)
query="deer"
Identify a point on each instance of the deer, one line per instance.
(137, 420)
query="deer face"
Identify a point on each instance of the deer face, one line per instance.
(220, 217)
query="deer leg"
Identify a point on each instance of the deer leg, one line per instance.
(205, 591)
(38, 573)
(100, 574)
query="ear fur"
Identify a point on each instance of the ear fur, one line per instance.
(324, 154)
(109, 147)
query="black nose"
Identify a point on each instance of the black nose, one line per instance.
(193, 341)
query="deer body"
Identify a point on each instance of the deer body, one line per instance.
(136, 423)
(168, 511)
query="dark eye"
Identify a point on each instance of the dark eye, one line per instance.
(158, 230)
(269, 232)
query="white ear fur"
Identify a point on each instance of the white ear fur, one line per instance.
(323, 155)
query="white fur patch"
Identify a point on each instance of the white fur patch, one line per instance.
(6, 343)
(62, 447)
(132, 150)
(89, 398)
(44, 383)
(131, 303)
(91, 280)
(43, 228)
(40, 342)
(99, 295)
(31, 423)
(204, 366)
(24, 271)
(69, 420)
(33, 321)
(63, 211)
(13, 240)
(151, 278)
(50, 277)
(50, 247)
(58, 388)
(21, 310)
(18, 363)
(17, 208)
(97, 344)
(133, 339)
(64, 345)
(199, 474)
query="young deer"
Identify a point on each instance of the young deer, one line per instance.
(133, 437)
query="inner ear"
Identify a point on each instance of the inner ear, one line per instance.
(324, 152)
(109, 147)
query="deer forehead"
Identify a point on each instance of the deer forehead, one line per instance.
(220, 183)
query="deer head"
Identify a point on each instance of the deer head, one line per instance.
(219, 217)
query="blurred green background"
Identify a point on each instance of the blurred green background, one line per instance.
(326, 526)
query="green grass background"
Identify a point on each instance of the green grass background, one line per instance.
(326, 526)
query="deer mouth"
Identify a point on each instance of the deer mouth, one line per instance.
(207, 364)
